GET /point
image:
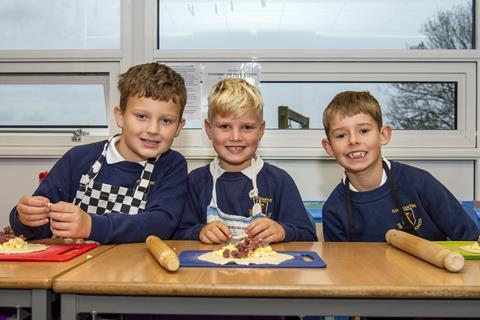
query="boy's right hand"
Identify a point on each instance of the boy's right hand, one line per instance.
(215, 232)
(33, 210)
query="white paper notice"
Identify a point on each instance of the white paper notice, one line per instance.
(191, 73)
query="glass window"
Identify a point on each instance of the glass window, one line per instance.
(32, 103)
(59, 24)
(311, 24)
(405, 105)
(428, 104)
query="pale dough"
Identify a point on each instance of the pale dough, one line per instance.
(475, 247)
(32, 247)
(275, 260)
(18, 245)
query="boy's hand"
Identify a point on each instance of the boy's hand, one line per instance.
(69, 221)
(33, 210)
(266, 229)
(215, 232)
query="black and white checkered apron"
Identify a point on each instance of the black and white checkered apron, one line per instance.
(99, 198)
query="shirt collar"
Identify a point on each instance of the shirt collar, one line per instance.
(113, 156)
(382, 182)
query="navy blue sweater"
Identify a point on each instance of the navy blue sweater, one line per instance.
(280, 198)
(438, 215)
(163, 209)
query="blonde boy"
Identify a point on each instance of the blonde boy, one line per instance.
(376, 194)
(124, 189)
(238, 194)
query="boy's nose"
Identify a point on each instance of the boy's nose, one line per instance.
(235, 135)
(153, 127)
(353, 139)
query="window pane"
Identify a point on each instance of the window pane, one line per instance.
(313, 24)
(405, 105)
(59, 24)
(52, 105)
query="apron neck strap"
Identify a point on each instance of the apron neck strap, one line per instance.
(407, 225)
(216, 171)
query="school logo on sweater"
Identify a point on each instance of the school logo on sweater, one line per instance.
(263, 202)
(411, 217)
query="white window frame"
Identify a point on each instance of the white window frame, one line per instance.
(138, 45)
(133, 50)
(348, 65)
(307, 143)
(34, 142)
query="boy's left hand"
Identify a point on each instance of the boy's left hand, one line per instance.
(69, 221)
(266, 229)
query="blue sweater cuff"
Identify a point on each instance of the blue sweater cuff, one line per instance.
(289, 233)
(99, 228)
(196, 233)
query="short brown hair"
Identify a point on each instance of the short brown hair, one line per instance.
(350, 103)
(152, 80)
(234, 95)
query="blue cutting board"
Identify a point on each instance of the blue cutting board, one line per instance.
(301, 259)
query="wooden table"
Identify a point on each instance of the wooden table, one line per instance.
(26, 284)
(361, 279)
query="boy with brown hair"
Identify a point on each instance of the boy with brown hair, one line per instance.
(376, 194)
(238, 194)
(123, 189)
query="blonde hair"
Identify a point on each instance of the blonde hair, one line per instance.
(350, 103)
(234, 96)
(152, 80)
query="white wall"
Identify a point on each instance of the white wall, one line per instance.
(315, 178)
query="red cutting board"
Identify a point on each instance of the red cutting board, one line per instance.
(54, 252)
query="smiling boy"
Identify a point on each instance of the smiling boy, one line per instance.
(376, 194)
(238, 194)
(123, 189)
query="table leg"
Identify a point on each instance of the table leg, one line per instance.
(41, 304)
(68, 307)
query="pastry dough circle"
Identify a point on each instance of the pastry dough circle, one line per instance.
(32, 247)
(275, 260)
(475, 247)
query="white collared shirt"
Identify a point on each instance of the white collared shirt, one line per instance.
(113, 156)
(382, 182)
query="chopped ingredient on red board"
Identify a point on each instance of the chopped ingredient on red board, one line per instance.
(7, 234)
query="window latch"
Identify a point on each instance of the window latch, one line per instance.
(78, 134)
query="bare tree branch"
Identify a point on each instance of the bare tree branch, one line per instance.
(433, 105)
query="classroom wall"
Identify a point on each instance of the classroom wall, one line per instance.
(315, 178)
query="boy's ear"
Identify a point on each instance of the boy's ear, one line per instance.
(181, 124)
(327, 147)
(208, 128)
(262, 130)
(385, 134)
(118, 116)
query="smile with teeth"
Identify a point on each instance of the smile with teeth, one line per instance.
(356, 154)
(235, 149)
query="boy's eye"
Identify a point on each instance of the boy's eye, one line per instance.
(224, 126)
(364, 130)
(140, 116)
(167, 121)
(339, 135)
(248, 127)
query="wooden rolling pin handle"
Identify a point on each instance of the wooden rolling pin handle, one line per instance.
(165, 256)
(426, 250)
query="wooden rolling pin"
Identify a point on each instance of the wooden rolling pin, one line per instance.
(162, 253)
(426, 250)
